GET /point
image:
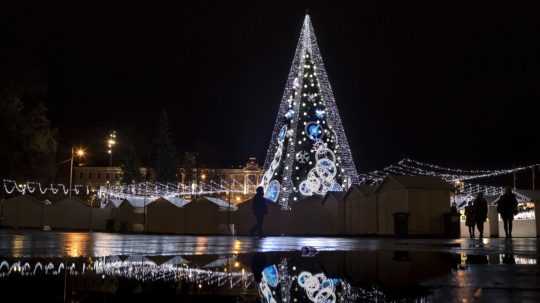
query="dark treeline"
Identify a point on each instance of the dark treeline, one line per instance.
(29, 143)
(162, 158)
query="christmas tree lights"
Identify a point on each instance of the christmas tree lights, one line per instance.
(309, 153)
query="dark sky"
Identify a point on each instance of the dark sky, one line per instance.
(453, 84)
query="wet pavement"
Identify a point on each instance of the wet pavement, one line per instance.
(102, 267)
(75, 244)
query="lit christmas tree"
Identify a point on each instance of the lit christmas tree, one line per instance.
(308, 153)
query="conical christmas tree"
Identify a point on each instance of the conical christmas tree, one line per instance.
(308, 153)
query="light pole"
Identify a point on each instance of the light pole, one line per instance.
(111, 142)
(79, 153)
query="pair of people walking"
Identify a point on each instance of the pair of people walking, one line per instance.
(476, 215)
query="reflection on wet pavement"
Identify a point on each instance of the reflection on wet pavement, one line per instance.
(96, 267)
(73, 244)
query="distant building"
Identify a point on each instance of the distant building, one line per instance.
(96, 176)
(244, 179)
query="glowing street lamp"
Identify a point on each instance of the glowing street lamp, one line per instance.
(111, 142)
(79, 153)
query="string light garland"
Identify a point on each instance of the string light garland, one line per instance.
(156, 189)
(31, 187)
(409, 167)
(140, 194)
(441, 168)
(457, 174)
(318, 177)
(137, 268)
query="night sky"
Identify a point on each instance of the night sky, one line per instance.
(447, 83)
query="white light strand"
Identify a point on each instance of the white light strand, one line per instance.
(142, 270)
(410, 167)
(453, 170)
(10, 186)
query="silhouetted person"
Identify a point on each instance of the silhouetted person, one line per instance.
(507, 207)
(480, 212)
(453, 208)
(470, 219)
(259, 210)
(508, 259)
(258, 263)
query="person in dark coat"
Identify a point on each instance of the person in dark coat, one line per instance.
(470, 219)
(507, 207)
(453, 208)
(259, 210)
(480, 213)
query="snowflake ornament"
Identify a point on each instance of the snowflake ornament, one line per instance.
(302, 157)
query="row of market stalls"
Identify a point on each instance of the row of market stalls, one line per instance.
(363, 210)
(201, 216)
(26, 211)
(414, 205)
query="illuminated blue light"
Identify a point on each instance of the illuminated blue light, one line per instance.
(320, 113)
(271, 275)
(289, 114)
(272, 192)
(313, 130)
(282, 134)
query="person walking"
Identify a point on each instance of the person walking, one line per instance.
(480, 213)
(507, 208)
(259, 210)
(470, 218)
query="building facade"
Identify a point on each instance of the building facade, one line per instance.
(96, 176)
(242, 181)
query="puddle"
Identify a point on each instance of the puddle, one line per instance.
(81, 267)
(397, 276)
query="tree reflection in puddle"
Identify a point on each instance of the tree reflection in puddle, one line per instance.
(366, 276)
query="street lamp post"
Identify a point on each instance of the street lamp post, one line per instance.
(79, 153)
(111, 141)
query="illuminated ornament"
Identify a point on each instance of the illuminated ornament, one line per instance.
(318, 145)
(302, 157)
(314, 183)
(335, 187)
(318, 288)
(323, 152)
(289, 114)
(320, 113)
(328, 166)
(282, 133)
(271, 275)
(272, 192)
(305, 188)
(313, 130)
(277, 158)
(296, 83)
(266, 292)
(325, 295)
